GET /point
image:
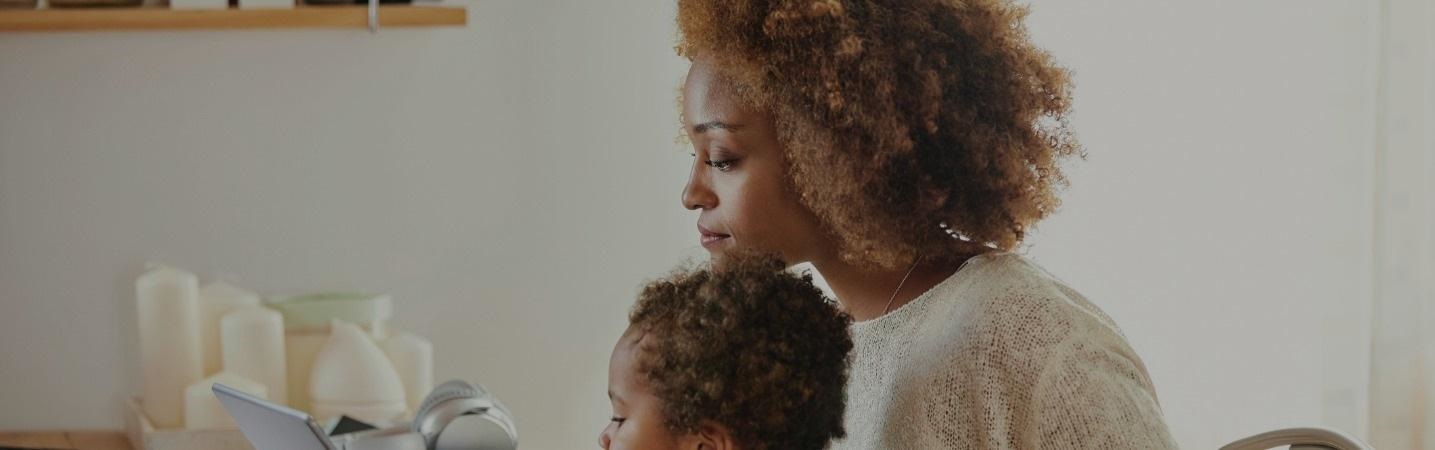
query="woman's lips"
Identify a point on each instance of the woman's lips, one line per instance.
(710, 238)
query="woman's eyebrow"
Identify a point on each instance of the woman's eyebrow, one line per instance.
(715, 125)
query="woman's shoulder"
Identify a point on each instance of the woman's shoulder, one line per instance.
(1006, 341)
(1005, 309)
(1004, 287)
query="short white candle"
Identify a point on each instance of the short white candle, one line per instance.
(203, 410)
(252, 340)
(215, 300)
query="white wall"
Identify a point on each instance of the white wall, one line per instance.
(1224, 215)
(512, 183)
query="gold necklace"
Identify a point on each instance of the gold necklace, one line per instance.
(888, 308)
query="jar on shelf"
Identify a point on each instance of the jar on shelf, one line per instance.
(306, 328)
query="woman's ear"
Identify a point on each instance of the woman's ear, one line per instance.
(711, 436)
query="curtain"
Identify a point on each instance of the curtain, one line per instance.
(1402, 358)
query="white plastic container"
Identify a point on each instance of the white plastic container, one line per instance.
(353, 377)
(202, 410)
(306, 324)
(253, 343)
(167, 300)
(215, 300)
(412, 357)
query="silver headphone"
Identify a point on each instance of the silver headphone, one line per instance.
(456, 415)
(462, 416)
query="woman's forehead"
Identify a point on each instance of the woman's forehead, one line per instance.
(711, 102)
(707, 95)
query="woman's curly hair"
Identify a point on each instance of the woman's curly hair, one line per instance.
(900, 115)
(749, 346)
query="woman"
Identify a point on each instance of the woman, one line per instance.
(904, 148)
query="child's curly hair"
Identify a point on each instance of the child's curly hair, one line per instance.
(748, 346)
(899, 115)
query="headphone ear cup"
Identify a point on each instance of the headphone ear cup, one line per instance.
(449, 390)
(476, 432)
(445, 416)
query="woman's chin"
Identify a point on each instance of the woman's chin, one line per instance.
(721, 251)
(726, 248)
(715, 252)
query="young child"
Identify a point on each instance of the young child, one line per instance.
(746, 356)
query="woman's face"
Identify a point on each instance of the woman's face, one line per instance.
(738, 180)
(637, 422)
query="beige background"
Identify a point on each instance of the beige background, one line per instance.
(512, 184)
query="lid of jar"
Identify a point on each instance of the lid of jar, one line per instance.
(316, 310)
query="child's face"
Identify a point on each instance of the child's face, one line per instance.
(637, 422)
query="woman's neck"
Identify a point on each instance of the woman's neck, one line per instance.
(865, 293)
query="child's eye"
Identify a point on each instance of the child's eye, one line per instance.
(619, 420)
(722, 166)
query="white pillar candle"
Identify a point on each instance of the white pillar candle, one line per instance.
(412, 357)
(253, 347)
(169, 341)
(215, 300)
(202, 409)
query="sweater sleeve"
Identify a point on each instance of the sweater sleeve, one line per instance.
(1094, 393)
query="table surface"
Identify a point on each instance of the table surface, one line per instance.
(69, 440)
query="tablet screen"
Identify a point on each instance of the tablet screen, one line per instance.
(269, 426)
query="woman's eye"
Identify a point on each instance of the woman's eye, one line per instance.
(721, 165)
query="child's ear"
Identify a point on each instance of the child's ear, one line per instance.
(712, 436)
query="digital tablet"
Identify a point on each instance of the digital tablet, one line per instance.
(270, 426)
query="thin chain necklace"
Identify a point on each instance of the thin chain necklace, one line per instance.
(888, 308)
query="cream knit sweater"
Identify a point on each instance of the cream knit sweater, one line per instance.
(999, 355)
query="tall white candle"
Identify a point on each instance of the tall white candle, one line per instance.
(412, 357)
(167, 300)
(202, 409)
(252, 340)
(215, 300)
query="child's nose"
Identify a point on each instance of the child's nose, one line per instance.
(603, 439)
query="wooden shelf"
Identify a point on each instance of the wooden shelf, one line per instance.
(80, 440)
(159, 18)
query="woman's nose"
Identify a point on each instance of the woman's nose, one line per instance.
(697, 194)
